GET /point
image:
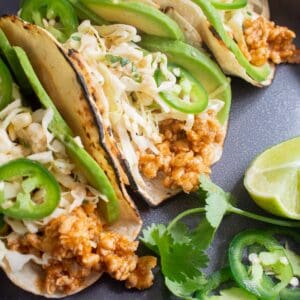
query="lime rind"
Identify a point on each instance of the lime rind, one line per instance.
(283, 153)
(291, 165)
(280, 199)
(273, 179)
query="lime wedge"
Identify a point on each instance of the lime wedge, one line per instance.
(273, 179)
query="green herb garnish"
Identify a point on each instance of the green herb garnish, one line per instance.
(182, 250)
(117, 59)
(76, 38)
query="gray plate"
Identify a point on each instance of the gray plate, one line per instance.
(259, 119)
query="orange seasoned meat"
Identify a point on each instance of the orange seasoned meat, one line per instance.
(184, 154)
(79, 245)
(269, 42)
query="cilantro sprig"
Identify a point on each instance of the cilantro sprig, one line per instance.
(182, 250)
(117, 59)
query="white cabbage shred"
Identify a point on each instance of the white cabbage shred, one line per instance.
(24, 134)
(17, 260)
(126, 74)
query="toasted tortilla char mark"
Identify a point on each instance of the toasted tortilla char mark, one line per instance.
(98, 111)
(85, 110)
(167, 8)
(67, 88)
(126, 178)
(214, 32)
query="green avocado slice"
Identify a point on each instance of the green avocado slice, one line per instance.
(198, 64)
(94, 174)
(10, 56)
(83, 13)
(257, 73)
(142, 16)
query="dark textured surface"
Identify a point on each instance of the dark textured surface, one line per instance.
(259, 118)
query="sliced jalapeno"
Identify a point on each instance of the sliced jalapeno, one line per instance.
(188, 86)
(33, 176)
(56, 16)
(272, 257)
(234, 4)
(290, 292)
(5, 85)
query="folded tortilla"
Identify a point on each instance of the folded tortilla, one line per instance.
(74, 97)
(76, 92)
(227, 59)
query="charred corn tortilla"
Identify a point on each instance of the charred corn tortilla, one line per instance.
(228, 61)
(122, 52)
(129, 142)
(28, 136)
(64, 71)
(31, 274)
(75, 99)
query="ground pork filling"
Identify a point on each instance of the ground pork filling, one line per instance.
(184, 154)
(79, 246)
(269, 42)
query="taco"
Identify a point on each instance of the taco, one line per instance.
(239, 34)
(63, 223)
(162, 114)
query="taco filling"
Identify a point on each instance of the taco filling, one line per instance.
(159, 141)
(266, 41)
(72, 243)
(260, 40)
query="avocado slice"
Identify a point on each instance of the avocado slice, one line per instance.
(83, 13)
(142, 16)
(10, 56)
(257, 73)
(94, 174)
(198, 64)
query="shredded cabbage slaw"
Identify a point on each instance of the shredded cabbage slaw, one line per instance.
(131, 95)
(24, 133)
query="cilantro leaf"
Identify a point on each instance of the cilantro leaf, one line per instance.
(76, 38)
(182, 261)
(117, 59)
(178, 260)
(182, 251)
(112, 58)
(203, 234)
(180, 233)
(124, 61)
(186, 288)
(208, 186)
(210, 189)
(149, 233)
(216, 207)
(217, 201)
